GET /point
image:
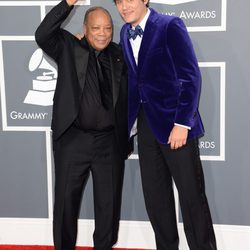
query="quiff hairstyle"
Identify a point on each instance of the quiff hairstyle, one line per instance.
(142, 1)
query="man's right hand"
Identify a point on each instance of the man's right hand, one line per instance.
(71, 2)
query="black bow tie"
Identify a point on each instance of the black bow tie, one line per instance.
(133, 33)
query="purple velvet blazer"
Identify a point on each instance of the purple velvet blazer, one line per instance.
(167, 79)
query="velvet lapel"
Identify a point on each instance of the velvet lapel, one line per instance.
(116, 63)
(81, 62)
(128, 49)
(147, 38)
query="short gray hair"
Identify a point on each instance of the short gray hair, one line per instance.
(94, 8)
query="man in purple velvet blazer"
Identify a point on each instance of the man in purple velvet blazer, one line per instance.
(164, 90)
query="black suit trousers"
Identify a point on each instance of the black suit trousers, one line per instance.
(159, 166)
(76, 155)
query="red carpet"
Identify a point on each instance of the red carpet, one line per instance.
(16, 247)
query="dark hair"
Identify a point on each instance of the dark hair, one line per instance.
(94, 8)
(142, 1)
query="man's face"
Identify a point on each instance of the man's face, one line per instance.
(132, 11)
(98, 29)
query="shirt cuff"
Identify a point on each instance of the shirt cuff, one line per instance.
(183, 126)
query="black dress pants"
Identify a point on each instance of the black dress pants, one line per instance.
(76, 154)
(159, 165)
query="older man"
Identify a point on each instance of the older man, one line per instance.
(89, 122)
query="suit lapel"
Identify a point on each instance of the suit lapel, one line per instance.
(148, 35)
(129, 52)
(81, 62)
(116, 63)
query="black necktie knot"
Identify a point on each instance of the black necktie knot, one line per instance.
(133, 33)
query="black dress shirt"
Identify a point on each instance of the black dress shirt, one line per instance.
(93, 116)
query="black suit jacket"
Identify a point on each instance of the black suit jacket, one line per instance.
(72, 59)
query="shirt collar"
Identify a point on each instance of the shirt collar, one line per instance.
(144, 20)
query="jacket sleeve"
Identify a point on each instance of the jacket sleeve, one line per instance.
(187, 71)
(49, 34)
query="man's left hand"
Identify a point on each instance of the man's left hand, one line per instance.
(178, 137)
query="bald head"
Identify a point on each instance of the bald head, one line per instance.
(92, 9)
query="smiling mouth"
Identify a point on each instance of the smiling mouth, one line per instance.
(127, 14)
(101, 41)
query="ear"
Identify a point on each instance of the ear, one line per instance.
(145, 2)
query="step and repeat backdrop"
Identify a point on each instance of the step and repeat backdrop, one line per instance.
(220, 34)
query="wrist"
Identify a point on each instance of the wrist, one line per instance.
(70, 2)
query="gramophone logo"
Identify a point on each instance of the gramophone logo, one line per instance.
(172, 2)
(44, 85)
